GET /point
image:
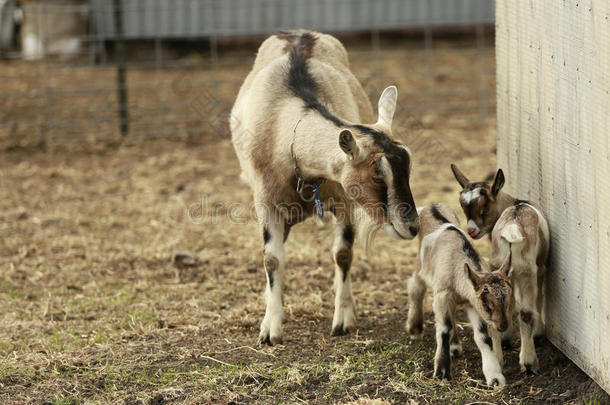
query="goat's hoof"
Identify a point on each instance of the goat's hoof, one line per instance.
(270, 341)
(507, 344)
(539, 340)
(415, 330)
(339, 330)
(456, 350)
(529, 369)
(264, 340)
(443, 375)
(497, 381)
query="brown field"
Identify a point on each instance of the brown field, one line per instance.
(94, 308)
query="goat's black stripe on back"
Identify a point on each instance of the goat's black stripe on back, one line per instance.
(437, 214)
(301, 82)
(519, 204)
(468, 249)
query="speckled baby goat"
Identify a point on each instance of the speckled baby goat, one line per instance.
(520, 228)
(449, 265)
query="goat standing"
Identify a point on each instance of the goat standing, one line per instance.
(295, 126)
(516, 226)
(448, 264)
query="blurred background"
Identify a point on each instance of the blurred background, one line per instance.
(101, 70)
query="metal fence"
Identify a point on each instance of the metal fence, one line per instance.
(102, 70)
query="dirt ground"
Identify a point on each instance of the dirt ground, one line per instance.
(95, 308)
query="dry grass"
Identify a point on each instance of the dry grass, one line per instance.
(94, 310)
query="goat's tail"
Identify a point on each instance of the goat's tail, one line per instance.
(512, 234)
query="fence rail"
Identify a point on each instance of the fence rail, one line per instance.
(185, 87)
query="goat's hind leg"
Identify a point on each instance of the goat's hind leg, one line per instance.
(273, 236)
(456, 346)
(528, 320)
(417, 290)
(344, 317)
(444, 308)
(540, 306)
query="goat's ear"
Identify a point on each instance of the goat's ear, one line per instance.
(386, 106)
(459, 176)
(348, 144)
(472, 275)
(498, 183)
(506, 266)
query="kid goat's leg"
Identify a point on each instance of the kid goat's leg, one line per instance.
(443, 311)
(417, 289)
(345, 316)
(491, 366)
(528, 319)
(540, 303)
(273, 235)
(456, 346)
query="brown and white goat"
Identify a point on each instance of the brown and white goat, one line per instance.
(449, 265)
(519, 227)
(301, 106)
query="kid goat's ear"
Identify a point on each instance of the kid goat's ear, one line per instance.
(459, 176)
(472, 275)
(505, 268)
(498, 182)
(348, 144)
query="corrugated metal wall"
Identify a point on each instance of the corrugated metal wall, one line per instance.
(553, 89)
(204, 18)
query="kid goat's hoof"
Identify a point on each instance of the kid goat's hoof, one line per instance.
(529, 369)
(539, 340)
(415, 331)
(497, 381)
(443, 374)
(456, 351)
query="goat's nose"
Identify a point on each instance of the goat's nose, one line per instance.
(414, 230)
(503, 326)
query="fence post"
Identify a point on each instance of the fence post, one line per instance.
(121, 68)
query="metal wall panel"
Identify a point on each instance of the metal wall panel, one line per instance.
(205, 18)
(553, 105)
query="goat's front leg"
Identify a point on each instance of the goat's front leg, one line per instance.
(345, 311)
(491, 366)
(528, 320)
(443, 310)
(273, 235)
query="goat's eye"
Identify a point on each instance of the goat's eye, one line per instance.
(485, 211)
(378, 179)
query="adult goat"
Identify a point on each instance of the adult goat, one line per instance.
(296, 128)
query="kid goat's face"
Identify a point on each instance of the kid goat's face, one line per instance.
(478, 200)
(494, 295)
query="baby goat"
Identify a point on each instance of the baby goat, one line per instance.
(448, 263)
(518, 227)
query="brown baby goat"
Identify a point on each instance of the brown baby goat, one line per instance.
(449, 265)
(518, 227)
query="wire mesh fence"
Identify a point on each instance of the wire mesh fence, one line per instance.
(103, 70)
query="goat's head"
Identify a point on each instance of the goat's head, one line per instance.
(376, 173)
(478, 200)
(494, 294)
